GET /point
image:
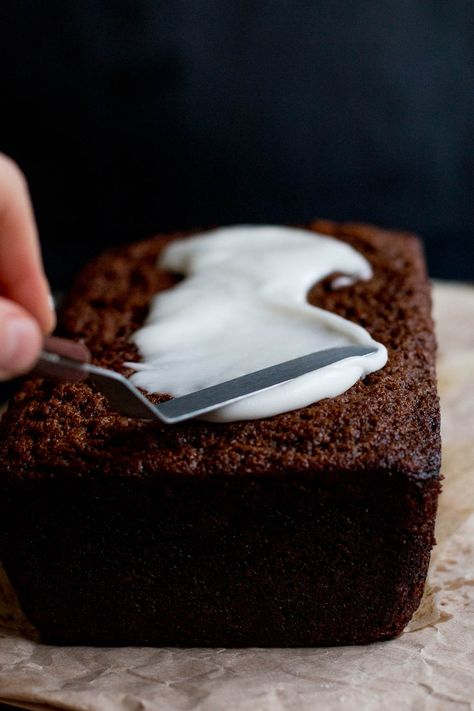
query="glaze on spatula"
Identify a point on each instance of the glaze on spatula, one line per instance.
(129, 401)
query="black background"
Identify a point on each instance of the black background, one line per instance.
(134, 117)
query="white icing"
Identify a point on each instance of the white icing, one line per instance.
(241, 307)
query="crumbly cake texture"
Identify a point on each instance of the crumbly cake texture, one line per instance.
(312, 527)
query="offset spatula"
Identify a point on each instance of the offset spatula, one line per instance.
(65, 360)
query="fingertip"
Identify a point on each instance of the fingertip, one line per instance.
(20, 344)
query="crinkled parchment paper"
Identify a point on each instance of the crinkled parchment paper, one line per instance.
(431, 666)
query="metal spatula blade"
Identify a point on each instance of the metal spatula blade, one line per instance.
(129, 401)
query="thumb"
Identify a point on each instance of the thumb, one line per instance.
(20, 340)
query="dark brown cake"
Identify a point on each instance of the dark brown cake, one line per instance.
(308, 528)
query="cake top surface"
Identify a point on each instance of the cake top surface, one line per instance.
(388, 421)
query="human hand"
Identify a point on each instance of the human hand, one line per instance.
(26, 311)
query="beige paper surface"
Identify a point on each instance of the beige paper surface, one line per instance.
(431, 666)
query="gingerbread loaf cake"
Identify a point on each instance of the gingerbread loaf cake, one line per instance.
(312, 527)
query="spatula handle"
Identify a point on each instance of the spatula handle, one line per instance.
(60, 358)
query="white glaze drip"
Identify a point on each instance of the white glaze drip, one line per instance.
(242, 306)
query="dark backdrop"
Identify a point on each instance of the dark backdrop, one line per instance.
(134, 117)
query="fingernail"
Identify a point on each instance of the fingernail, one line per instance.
(20, 346)
(52, 313)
